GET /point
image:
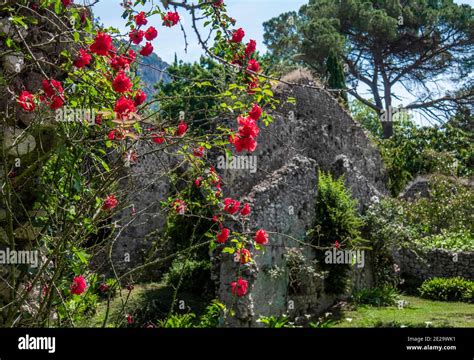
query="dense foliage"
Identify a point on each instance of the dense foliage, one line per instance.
(378, 296)
(448, 289)
(88, 120)
(382, 44)
(443, 220)
(417, 150)
(195, 89)
(337, 224)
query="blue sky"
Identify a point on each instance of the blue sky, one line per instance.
(250, 14)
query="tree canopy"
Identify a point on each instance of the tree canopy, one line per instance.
(383, 44)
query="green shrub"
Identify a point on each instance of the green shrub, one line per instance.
(300, 269)
(337, 219)
(189, 275)
(190, 270)
(450, 206)
(378, 296)
(448, 289)
(462, 240)
(413, 150)
(274, 322)
(180, 321)
(442, 221)
(445, 218)
(212, 316)
(336, 212)
(322, 323)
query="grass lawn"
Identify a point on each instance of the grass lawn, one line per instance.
(147, 302)
(153, 301)
(416, 314)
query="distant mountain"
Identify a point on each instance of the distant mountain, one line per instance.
(151, 71)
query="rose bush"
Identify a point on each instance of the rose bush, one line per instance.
(96, 72)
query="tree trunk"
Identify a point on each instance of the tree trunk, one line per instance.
(387, 127)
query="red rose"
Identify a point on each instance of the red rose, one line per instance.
(52, 88)
(109, 203)
(103, 288)
(136, 36)
(199, 152)
(248, 127)
(261, 237)
(123, 62)
(218, 3)
(67, 3)
(243, 256)
(102, 44)
(131, 56)
(116, 63)
(121, 83)
(179, 206)
(26, 101)
(231, 206)
(182, 128)
(223, 236)
(147, 49)
(256, 112)
(245, 143)
(118, 134)
(245, 210)
(337, 245)
(83, 59)
(140, 19)
(151, 33)
(250, 48)
(240, 287)
(140, 98)
(78, 285)
(238, 35)
(129, 319)
(197, 182)
(251, 86)
(170, 19)
(123, 107)
(56, 103)
(98, 119)
(253, 65)
(158, 138)
(55, 93)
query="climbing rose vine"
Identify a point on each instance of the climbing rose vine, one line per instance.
(107, 60)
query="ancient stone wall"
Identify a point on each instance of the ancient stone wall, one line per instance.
(419, 266)
(315, 133)
(318, 128)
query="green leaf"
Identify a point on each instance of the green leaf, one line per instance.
(268, 92)
(228, 250)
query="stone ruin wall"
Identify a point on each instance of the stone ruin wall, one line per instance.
(315, 133)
